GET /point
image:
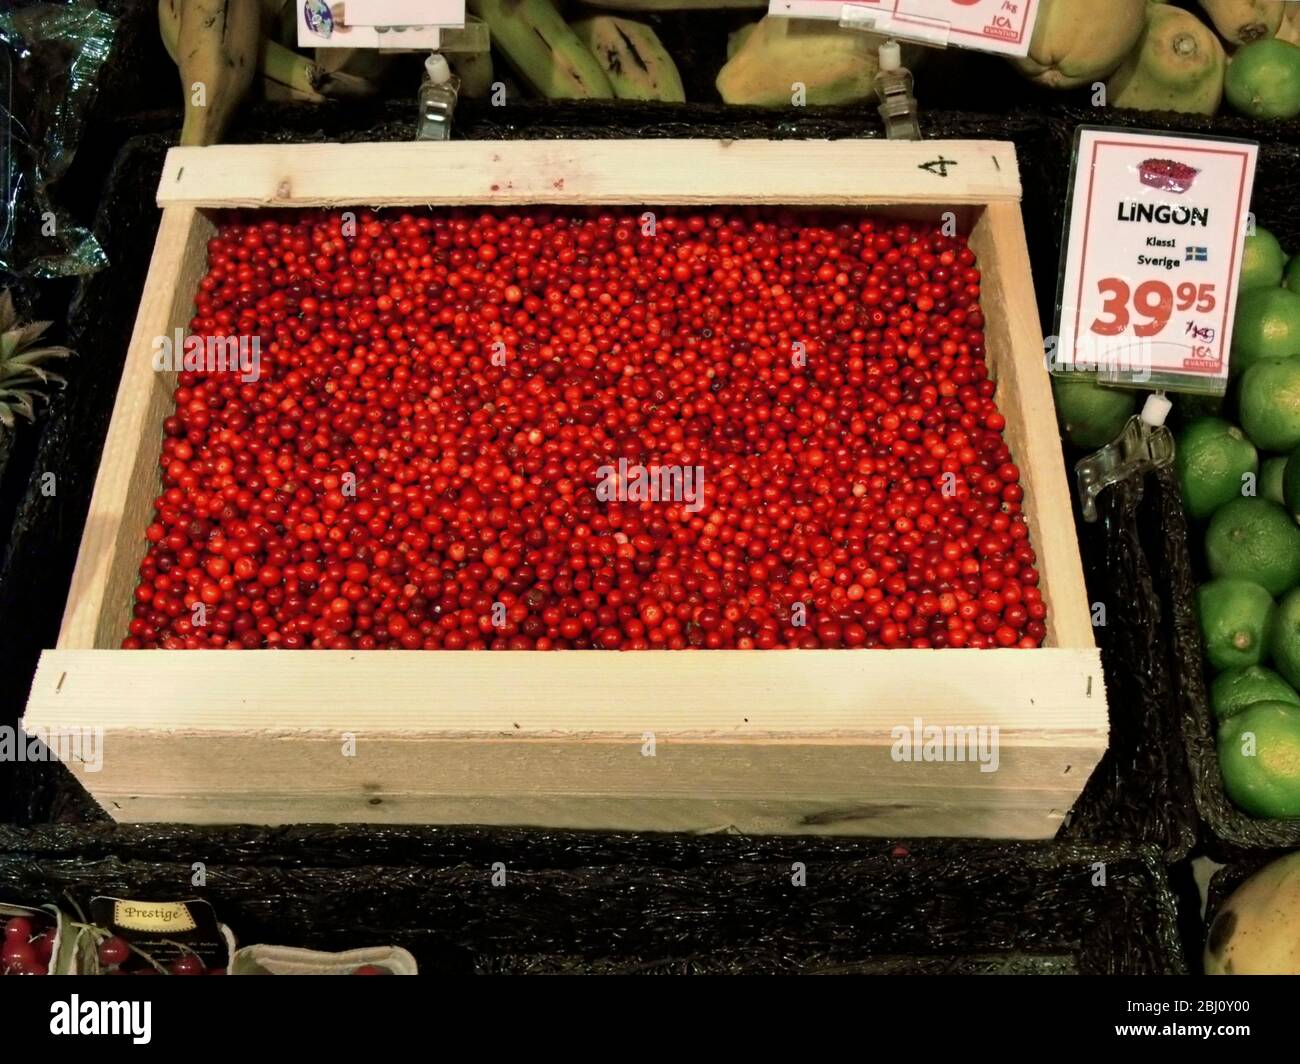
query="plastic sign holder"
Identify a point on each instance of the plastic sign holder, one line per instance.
(1001, 26)
(1151, 258)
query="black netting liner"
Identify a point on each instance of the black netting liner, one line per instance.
(1228, 832)
(575, 901)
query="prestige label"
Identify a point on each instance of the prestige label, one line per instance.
(152, 915)
(1002, 26)
(1149, 276)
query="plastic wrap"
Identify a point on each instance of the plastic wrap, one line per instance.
(54, 56)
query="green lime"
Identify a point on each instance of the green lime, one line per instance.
(1259, 756)
(1213, 459)
(1284, 638)
(1263, 79)
(1235, 618)
(1090, 414)
(1270, 480)
(1269, 403)
(1254, 539)
(1235, 689)
(1291, 277)
(1267, 325)
(1262, 260)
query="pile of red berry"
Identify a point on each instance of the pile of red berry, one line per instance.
(28, 946)
(418, 464)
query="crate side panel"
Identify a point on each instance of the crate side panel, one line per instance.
(1014, 348)
(99, 600)
(482, 173)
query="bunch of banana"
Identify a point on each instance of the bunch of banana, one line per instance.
(634, 59)
(542, 48)
(599, 57)
(219, 47)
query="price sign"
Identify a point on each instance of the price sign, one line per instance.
(1153, 251)
(405, 12)
(383, 24)
(1002, 26)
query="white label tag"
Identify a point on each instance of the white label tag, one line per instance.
(322, 24)
(404, 12)
(1155, 235)
(1002, 26)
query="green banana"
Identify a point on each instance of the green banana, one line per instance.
(635, 61)
(475, 72)
(540, 46)
(276, 62)
(216, 50)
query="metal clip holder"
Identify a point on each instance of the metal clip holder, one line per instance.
(1145, 444)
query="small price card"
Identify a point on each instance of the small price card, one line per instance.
(405, 12)
(388, 25)
(1152, 255)
(1002, 26)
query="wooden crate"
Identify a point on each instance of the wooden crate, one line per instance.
(794, 741)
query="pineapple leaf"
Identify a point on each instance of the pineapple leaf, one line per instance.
(21, 336)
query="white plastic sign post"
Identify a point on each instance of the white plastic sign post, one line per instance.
(1149, 273)
(1002, 26)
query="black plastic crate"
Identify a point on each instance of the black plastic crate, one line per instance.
(596, 903)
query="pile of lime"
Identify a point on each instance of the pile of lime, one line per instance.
(1242, 480)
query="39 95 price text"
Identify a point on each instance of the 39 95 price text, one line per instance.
(1151, 303)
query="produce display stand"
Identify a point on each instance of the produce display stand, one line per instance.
(1133, 794)
(576, 901)
(767, 742)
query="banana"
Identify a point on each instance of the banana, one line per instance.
(475, 72)
(542, 48)
(736, 38)
(273, 59)
(361, 62)
(634, 59)
(833, 64)
(279, 93)
(216, 50)
(1243, 21)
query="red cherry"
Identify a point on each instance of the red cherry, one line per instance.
(187, 964)
(18, 927)
(18, 954)
(113, 951)
(44, 946)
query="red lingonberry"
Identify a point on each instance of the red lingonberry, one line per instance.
(416, 465)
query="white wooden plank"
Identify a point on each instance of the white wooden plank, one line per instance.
(794, 172)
